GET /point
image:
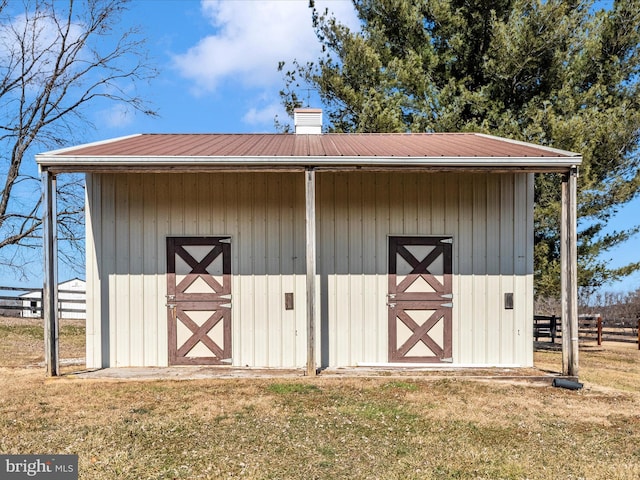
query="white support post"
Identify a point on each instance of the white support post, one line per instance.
(310, 221)
(50, 287)
(569, 273)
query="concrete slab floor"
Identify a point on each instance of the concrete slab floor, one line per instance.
(531, 376)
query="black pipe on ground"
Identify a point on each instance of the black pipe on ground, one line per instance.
(564, 383)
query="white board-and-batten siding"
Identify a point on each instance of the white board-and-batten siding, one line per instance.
(129, 216)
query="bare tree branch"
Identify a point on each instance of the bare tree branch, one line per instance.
(57, 59)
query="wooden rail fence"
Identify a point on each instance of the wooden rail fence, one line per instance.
(590, 327)
(20, 303)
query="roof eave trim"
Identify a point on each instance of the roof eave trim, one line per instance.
(85, 145)
(534, 145)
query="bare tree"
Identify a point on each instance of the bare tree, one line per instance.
(57, 59)
(613, 305)
(546, 305)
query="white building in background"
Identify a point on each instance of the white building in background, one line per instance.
(72, 296)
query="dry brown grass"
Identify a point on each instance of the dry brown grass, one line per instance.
(21, 341)
(355, 428)
(613, 365)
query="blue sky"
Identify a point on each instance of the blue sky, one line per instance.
(217, 63)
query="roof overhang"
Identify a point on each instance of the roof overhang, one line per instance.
(189, 164)
(79, 159)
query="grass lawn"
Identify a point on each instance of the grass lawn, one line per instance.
(324, 428)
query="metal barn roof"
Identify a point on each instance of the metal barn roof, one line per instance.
(444, 150)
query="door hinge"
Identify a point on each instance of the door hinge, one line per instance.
(391, 305)
(224, 240)
(226, 360)
(170, 301)
(447, 295)
(447, 360)
(447, 305)
(446, 240)
(225, 305)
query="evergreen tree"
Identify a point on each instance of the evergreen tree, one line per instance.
(553, 72)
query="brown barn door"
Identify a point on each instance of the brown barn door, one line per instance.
(199, 300)
(420, 299)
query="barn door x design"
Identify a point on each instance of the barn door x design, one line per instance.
(199, 300)
(419, 299)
